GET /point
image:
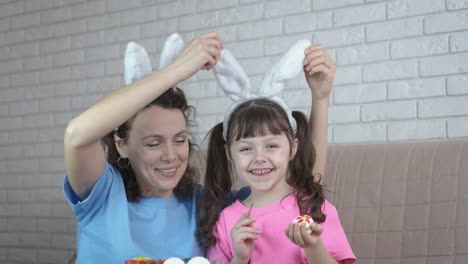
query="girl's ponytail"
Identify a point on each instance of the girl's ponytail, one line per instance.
(218, 183)
(308, 190)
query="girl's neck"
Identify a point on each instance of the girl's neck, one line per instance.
(261, 199)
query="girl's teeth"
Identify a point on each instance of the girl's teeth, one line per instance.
(260, 172)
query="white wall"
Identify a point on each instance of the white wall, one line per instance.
(402, 75)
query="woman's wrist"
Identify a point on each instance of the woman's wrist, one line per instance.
(168, 75)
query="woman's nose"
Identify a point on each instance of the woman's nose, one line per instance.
(169, 153)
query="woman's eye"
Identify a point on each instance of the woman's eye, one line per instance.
(181, 140)
(244, 149)
(272, 146)
(152, 145)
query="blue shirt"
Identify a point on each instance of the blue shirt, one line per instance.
(112, 230)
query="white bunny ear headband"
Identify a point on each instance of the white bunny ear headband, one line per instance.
(137, 63)
(235, 83)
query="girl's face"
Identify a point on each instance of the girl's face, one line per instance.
(158, 150)
(262, 161)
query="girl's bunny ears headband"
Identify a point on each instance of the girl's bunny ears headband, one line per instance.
(137, 63)
(235, 83)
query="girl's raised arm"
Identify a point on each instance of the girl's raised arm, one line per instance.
(319, 69)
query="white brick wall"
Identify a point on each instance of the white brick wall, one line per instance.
(402, 74)
(384, 111)
(394, 29)
(457, 84)
(417, 88)
(405, 8)
(419, 129)
(360, 14)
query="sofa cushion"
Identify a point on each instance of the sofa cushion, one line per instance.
(402, 202)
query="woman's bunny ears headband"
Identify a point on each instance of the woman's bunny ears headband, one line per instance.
(228, 72)
(137, 63)
(235, 83)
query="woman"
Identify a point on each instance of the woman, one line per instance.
(140, 199)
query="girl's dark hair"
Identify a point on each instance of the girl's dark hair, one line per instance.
(171, 99)
(258, 117)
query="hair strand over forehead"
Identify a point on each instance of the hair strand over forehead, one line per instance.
(258, 117)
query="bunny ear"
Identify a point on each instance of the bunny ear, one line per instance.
(172, 47)
(231, 77)
(288, 67)
(137, 64)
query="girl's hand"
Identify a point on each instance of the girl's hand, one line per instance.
(243, 236)
(202, 53)
(299, 235)
(319, 70)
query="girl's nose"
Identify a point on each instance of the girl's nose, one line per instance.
(260, 157)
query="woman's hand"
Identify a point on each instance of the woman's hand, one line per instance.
(202, 53)
(300, 236)
(243, 236)
(319, 70)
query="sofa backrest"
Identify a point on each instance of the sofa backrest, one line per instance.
(402, 202)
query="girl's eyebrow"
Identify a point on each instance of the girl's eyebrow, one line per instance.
(243, 141)
(266, 137)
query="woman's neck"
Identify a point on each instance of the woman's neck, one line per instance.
(146, 190)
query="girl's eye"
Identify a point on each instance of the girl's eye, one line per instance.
(244, 149)
(272, 146)
(152, 145)
(181, 140)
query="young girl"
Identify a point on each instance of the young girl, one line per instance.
(272, 149)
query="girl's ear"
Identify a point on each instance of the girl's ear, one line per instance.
(121, 147)
(294, 146)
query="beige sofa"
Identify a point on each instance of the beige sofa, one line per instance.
(402, 202)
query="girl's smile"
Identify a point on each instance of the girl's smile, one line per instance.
(263, 161)
(261, 172)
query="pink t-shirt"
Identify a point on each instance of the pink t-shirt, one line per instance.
(272, 245)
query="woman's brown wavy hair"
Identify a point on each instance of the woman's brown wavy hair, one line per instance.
(258, 117)
(171, 99)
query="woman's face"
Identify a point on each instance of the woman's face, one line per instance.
(158, 150)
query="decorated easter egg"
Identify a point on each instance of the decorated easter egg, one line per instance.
(304, 219)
